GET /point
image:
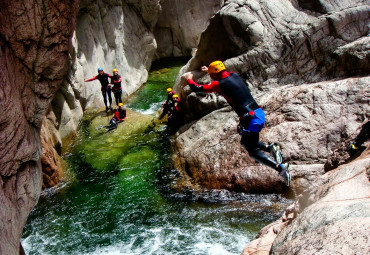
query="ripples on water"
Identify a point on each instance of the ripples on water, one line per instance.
(119, 201)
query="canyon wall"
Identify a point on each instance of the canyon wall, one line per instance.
(307, 65)
(331, 217)
(180, 25)
(127, 35)
(35, 44)
(47, 49)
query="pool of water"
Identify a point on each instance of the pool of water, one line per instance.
(117, 198)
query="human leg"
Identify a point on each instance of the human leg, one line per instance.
(115, 97)
(119, 96)
(363, 135)
(109, 92)
(250, 141)
(104, 94)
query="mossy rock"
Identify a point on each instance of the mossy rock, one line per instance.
(103, 148)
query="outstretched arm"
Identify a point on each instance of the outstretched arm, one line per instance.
(93, 78)
(212, 87)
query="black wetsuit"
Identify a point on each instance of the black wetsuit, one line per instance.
(117, 88)
(175, 116)
(103, 78)
(120, 115)
(169, 101)
(236, 92)
(364, 135)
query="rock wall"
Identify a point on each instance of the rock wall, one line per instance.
(180, 25)
(306, 62)
(109, 34)
(309, 121)
(331, 217)
(34, 54)
(119, 34)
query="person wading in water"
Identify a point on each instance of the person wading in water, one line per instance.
(251, 116)
(105, 87)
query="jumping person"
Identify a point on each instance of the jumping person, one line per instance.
(105, 87)
(116, 80)
(251, 116)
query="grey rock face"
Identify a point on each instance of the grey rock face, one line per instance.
(308, 120)
(180, 25)
(109, 34)
(331, 217)
(297, 58)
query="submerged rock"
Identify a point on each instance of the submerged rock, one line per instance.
(103, 146)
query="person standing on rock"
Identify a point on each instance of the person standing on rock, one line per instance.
(166, 105)
(175, 114)
(116, 80)
(105, 87)
(251, 116)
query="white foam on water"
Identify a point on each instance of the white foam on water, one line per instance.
(166, 240)
(173, 240)
(153, 108)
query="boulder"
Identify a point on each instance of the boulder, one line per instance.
(306, 62)
(276, 43)
(308, 121)
(330, 217)
(35, 42)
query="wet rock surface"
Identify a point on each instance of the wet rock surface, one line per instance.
(34, 55)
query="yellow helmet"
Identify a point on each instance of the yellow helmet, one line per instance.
(216, 67)
(175, 96)
(115, 70)
(120, 104)
(169, 90)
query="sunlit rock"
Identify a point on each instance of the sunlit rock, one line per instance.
(308, 68)
(34, 55)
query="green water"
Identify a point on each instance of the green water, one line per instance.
(119, 201)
